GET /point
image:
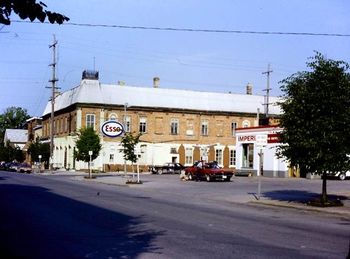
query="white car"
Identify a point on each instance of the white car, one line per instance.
(340, 175)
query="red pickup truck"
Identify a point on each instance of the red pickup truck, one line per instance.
(207, 171)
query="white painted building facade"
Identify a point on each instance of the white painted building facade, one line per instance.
(256, 152)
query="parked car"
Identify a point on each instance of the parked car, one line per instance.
(207, 171)
(339, 175)
(12, 166)
(24, 168)
(172, 168)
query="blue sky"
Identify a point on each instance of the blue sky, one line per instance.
(221, 62)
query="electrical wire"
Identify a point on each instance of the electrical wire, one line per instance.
(196, 30)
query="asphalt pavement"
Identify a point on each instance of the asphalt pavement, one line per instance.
(295, 192)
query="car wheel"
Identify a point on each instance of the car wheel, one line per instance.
(342, 176)
(208, 178)
(160, 171)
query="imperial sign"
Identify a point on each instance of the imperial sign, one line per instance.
(112, 129)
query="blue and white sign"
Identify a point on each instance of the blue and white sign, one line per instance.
(112, 129)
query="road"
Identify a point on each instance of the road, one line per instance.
(57, 217)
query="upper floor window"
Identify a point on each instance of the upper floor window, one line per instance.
(90, 121)
(204, 128)
(113, 117)
(174, 127)
(143, 125)
(233, 128)
(245, 124)
(127, 123)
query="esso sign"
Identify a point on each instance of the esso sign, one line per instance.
(112, 129)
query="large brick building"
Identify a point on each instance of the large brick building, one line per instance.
(176, 125)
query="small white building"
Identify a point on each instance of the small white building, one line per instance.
(256, 152)
(16, 138)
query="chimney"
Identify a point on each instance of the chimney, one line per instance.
(156, 82)
(249, 89)
(90, 74)
(121, 83)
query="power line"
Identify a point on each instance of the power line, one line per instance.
(196, 30)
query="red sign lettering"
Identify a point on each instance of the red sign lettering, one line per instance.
(246, 138)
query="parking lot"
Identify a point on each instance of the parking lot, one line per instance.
(280, 191)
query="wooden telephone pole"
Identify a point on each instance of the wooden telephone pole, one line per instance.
(53, 87)
(267, 96)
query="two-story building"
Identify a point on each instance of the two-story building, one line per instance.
(176, 125)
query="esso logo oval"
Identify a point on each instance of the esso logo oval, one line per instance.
(112, 129)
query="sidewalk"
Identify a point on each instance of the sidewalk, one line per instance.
(288, 199)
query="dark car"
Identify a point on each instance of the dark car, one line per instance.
(208, 171)
(24, 168)
(167, 168)
(12, 166)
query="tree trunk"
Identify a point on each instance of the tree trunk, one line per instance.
(324, 198)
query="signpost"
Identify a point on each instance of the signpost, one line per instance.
(261, 142)
(90, 154)
(39, 156)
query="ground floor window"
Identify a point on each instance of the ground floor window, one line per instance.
(218, 156)
(232, 157)
(248, 155)
(188, 156)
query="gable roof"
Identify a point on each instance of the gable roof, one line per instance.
(16, 135)
(91, 91)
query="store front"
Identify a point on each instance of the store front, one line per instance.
(256, 152)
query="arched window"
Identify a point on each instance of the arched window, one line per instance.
(245, 124)
(113, 117)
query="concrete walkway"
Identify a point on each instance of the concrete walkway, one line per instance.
(289, 199)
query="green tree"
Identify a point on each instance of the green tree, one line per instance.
(129, 142)
(88, 141)
(12, 118)
(10, 153)
(316, 117)
(28, 9)
(38, 148)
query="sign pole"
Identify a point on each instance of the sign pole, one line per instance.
(259, 173)
(90, 154)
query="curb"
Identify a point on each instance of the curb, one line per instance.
(291, 205)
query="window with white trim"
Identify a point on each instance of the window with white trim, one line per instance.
(127, 123)
(113, 117)
(188, 156)
(174, 126)
(232, 157)
(90, 121)
(111, 158)
(143, 125)
(245, 124)
(233, 128)
(218, 156)
(204, 127)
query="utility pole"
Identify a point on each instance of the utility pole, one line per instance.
(53, 87)
(267, 96)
